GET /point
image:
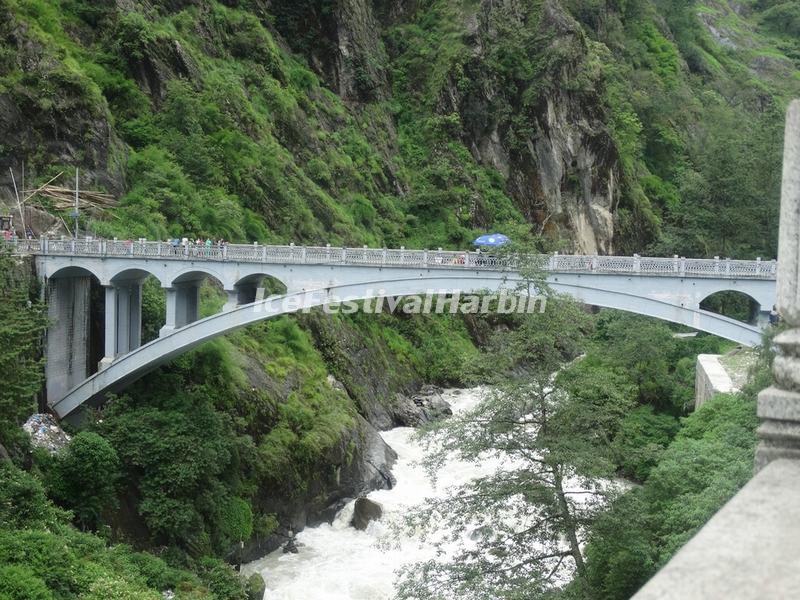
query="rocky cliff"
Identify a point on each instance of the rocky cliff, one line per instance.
(561, 168)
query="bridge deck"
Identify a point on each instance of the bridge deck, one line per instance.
(381, 257)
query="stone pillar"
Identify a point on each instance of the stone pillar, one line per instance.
(134, 315)
(233, 300)
(248, 293)
(779, 406)
(68, 305)
(172, 313)
(123, 322)
(187, 303)
(123, 326)
(110, 343)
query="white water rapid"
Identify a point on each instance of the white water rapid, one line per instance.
(337, 562)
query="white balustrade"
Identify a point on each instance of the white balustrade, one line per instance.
(432, 259)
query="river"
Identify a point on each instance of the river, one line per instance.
(337, 562)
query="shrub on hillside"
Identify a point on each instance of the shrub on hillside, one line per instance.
(84, 479)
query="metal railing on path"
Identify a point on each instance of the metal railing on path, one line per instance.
(402, 257)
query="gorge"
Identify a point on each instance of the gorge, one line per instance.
(610, 127)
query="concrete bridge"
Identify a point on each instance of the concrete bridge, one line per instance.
(666, 288)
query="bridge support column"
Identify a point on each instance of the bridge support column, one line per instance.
(129, 317)
(187, 305)
(123, 322)
(233, 300)
(172, 312)
(779, 405)
(68, 305)
(183, 306)
(110, 344)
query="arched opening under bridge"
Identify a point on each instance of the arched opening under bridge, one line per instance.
(734, 305)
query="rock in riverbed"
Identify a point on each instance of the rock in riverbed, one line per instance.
(365, 511)
(424, 407)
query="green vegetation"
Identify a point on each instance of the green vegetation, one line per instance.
(613, 410)
(43, 556)
(707, 462)
(84, 478)
(21, 325)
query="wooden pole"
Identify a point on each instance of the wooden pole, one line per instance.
(76, 203)
(19, 205)
(22, 204)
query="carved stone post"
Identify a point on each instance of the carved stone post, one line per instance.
(779, 406)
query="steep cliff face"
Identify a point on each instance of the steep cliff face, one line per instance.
(561, 166)
(556, 157)
(50, 111)
(341, 40)
(422, 123)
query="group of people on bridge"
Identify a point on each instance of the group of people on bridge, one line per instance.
(198, 247)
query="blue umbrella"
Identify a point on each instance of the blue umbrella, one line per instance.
(491, 239)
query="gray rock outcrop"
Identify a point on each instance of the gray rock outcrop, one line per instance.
(424, 407)
(364, 512)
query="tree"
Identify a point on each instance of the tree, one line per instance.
(181, 456)
(85, 478)
(20, 583)
(23, 502)
(22, 323)
(552, 439)
(644, 348)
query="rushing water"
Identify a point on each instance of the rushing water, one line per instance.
(337, 562)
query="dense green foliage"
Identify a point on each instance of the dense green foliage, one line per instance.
(85, 477)
(21, 325)
(708, 461)
(43, 557)
(615, 410)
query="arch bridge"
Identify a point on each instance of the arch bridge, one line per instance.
(671, 289)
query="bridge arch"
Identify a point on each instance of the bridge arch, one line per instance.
(136, 274)
(198, 273)
(735, 304)
(246, 289)
(699, 319)
(70, 271)
(131, 366)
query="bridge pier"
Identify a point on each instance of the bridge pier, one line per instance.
(246, 292)
(123, 320)
(68, 301)
(232, 301)
(183, 306)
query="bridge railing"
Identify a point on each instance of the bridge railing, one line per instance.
(402, 257)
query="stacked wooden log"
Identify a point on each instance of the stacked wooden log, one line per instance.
(64, 198)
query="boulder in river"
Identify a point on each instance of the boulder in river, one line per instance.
(365, 510)
(256, 587)
(424, 407)
(484, 532)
